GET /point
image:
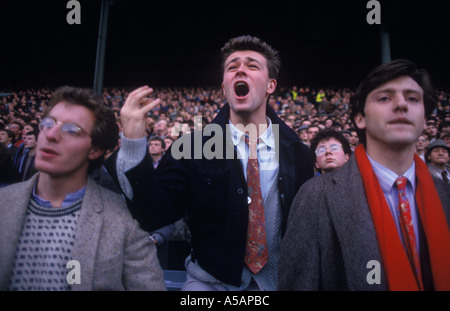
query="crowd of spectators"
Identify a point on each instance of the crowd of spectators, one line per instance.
(306, 110)
(299, 107)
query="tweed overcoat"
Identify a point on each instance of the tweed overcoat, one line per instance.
(330, 242)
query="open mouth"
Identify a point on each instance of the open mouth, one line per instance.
(241, 89)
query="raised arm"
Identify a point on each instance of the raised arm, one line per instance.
(134, 112)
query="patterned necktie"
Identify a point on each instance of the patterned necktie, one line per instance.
(256, 253)
(407, 229)
(445, 176)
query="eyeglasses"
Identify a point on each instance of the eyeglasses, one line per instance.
(67, 129)
(323, 149)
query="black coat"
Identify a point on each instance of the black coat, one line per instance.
(214, 192)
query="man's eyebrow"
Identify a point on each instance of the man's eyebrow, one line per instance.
(387, 90)
(248, 59)
(390, 91)
(412, 91)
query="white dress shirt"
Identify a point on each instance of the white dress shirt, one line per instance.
(267, 157)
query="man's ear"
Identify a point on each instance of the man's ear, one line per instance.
(360, 121)
(271, 86)
(95, 153)
(223, 90)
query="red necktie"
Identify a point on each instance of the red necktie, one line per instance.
(407, 229)
(256, 253)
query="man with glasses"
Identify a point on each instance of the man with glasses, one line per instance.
(331, 150)
(60, 230)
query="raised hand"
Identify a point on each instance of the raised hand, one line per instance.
(134, 112)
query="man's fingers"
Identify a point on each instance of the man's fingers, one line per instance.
(144, 88)
(148, 104)
(138, 103)
(136, 97)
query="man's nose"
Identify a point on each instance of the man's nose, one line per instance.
(53, 133)
(241, 69)
(400, 102)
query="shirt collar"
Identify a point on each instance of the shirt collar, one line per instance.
(69, 199)
(387, 178)
(267, 137)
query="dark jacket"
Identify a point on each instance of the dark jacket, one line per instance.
(31, 170)
(214, 192)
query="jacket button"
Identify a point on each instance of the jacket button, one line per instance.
(240, 191)
(208, 181)
(249, 200)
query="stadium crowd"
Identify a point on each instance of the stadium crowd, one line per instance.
(299, 107)
(306, 110)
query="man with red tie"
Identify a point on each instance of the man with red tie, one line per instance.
(381, 222)
(237, 199)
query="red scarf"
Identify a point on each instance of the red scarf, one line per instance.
(399, 273)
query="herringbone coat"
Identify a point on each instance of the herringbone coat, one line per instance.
(330, 242)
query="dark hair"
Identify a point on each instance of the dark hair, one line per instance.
(442, 124)
(425, 134)
(9, 133)
(247, 42)
(385, 73)
(34, 133)
(160, 139)
(327, 134)
(104, 131)
(34, 126)
(314, 125)
(18, 123)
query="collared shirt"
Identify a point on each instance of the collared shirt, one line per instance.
(69, 199)
(387, 178)
(267, 157)
(156, 163)
(437, 172)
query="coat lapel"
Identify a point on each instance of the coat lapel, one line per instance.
(11, 222)
(354, 226)
(87, 236)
